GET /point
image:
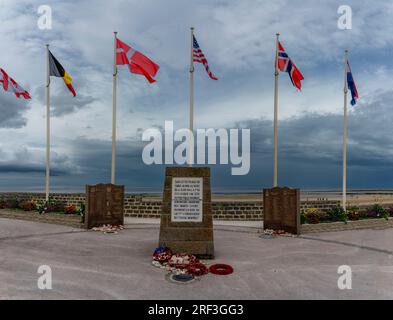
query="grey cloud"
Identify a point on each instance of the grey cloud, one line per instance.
(24, 160)
(63, 103)
(11, 110)
(29, 168)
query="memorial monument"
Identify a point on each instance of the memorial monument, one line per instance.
(281, 209)
(104, 205)
(186, 217)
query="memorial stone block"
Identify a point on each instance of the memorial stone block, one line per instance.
(104, 205)
(281, 209)
(186, 217)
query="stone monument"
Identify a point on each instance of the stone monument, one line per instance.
(186, 217)
(281, 209)
(104, 205)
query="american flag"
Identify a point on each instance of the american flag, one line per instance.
(200, 57)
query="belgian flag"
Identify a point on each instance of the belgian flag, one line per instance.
(57, 70)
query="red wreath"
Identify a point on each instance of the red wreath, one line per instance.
(221, 269)
(197, 269)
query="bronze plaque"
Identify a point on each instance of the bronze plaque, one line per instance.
(104, 205)
(186, 216)
(281, 209)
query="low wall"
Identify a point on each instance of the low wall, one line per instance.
(350, 225)
(145, 206)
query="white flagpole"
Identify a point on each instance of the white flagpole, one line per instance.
(47, 173)
(275, 114)
(113, 170)
(191, 110)
(345, 127)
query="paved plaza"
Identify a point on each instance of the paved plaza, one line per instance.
(94, 265)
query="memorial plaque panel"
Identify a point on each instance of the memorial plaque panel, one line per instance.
(187, 199)
(104, 205)
(186, 216)
(281, 209)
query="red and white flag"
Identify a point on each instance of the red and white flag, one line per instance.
(136, 61)
(198, 56)
(10, 84)
(285, 64)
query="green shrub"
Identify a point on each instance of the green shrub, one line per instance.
(50, 206)
(337, 214)
(323, 216)
(303, 218)
(377, 211)
(55, 205)
(41, 207)
(81, 211)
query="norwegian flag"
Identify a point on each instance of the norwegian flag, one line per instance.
(352, 85)
(198, 56)
(10, 84)
(285, 64)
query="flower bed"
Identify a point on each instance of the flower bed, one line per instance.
(337, 214)
(350, 225)
(50, 206)
(336, 219)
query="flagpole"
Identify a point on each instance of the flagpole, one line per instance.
(345, 128)
(113, 170)
(275, 114)
(191, 110)
(47, 173)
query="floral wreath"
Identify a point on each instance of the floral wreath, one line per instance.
(197, 269)
(162, 254)
(182, 260)
(221, 269)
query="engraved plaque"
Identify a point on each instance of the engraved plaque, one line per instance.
(104, 205)
(187, 199)
(186, 216)
(281, 209)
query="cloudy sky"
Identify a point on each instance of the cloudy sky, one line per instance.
(238, 38)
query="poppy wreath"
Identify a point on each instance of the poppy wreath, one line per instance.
(221, 269)
(182, 260)
(197, 269)
(162, 254)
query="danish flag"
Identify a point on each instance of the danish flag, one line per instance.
(285, 64)
(10, 84)
(137, 62)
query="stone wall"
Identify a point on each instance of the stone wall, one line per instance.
(68, 198)
(237, 210)
(147, 206)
